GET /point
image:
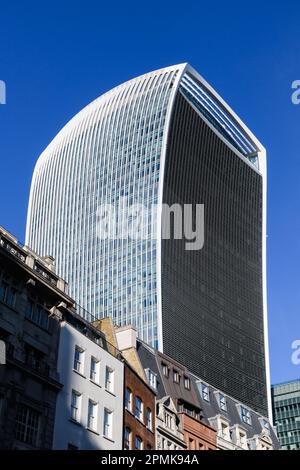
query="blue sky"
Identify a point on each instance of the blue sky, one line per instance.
(56, 57)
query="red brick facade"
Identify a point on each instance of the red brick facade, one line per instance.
(138, 430)
(197, 434)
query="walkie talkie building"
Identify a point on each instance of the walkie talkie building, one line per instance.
(164, 138)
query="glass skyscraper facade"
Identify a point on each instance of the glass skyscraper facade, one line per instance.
(286, 414)
(164, 138)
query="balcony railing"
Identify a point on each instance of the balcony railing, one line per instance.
(12, 250)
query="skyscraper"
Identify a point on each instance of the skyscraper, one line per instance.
(164, 138)
(286, 412)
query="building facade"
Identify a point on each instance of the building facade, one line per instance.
(286, 412)
(238, 426)
(139, 395)
(139, 412)
(169, 431)
(173, 381)
(89, 411)
(164, 138)
(29, 331)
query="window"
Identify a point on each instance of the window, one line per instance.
(78, 360)
(36, 360)
(4, 286)
(138, 408)
(165, 369)
(225, 431)
(149, 419)
(107, 423)
(27, 425)
(37, 313)
(176, 376)
(243, 439)
(8, 294)
(152, 379)
(75, 405)
(11, 297)
(128, 399)
(168, 421)
(187, 383)
(94, 372)
(138, 443)
(205, 392)
(222, 402)
(109, 376)
(127, 438)
(266, 425)
(246, 415)
(92, 415)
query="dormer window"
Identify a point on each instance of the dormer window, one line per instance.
(165, 369)
(205, 392)
(222, 402)
(246, 415)
(187, 383)
(265, 424)
(176, 376)
(152, 378)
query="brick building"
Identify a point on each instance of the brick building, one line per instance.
(174, 384)
(139, 395)
(139, 411)
(197, 434)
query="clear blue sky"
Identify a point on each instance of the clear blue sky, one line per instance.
(56, 57)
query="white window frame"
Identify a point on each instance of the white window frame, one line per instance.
(205, 392)
(246, 416)
(141, 415)
(149, 424)
(222, 402)
(96, 362)
(94, 404)
(187, 383)
(152, 378)
(128, 405)
(79, 361)
(109, 384)
(108, 424)
(176, 376)
(78, 396)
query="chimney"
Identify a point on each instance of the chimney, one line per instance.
(126, 337)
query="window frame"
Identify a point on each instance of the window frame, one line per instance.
(246, 416)
(128, 402)
(138, 439)
(176, 376)
(108, 424)
(78, 396)
(205, 392)
(95, 361)
(140, 417)
(94, 416)
(127, 438)
(149, 419)
(109, 384)
(79, 361)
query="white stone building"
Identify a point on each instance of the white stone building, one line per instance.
(169, 434)
(89, 412)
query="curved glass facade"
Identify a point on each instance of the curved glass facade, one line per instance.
(123, 145)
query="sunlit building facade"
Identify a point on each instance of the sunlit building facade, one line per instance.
(164, 138)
